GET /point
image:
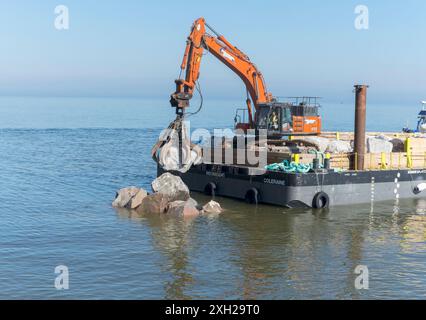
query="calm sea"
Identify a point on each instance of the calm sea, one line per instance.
(62, 159)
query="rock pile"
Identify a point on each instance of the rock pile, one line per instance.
(171, 196)
(326, 145)
(374, 144)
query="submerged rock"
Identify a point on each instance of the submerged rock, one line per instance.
(170, 195)
(171, 187)
(194, 203)
(156, 203)
(136, 201)
(124, 196)
(183, 209)
(212, 207)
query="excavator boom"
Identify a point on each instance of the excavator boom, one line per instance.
(198, 41)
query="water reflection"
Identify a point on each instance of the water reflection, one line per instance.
(414, 229)
(170, 236)
(274, 253)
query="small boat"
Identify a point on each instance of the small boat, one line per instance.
(421, 123)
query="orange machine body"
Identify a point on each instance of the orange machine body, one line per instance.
(306, 125)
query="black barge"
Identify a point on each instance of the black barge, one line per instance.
(319, 189)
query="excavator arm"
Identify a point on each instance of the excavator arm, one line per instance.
(198, 41)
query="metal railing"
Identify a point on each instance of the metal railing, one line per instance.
(296, 101)
(379, 161)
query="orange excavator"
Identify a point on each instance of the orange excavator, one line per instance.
(174, 151)
(299, 116)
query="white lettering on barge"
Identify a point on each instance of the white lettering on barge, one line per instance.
(274, 181)
(417, 172)
(215, 174)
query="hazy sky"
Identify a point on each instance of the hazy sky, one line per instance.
(134, 48)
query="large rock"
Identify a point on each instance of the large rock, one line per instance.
(398, 145)
(136, 201)
(155, 203)
(339, 146)
(195, 204)
(320, 143)
(379, 144)
(124, 196)
(183, 209)
(212, 207)
(171, 187)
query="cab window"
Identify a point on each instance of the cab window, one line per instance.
(274, 119)
(286, 119)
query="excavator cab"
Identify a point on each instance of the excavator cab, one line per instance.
(295, 116)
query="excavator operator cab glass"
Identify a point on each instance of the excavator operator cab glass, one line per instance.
(287, 119)
(275, 118)
(261, 117)
(296, 116)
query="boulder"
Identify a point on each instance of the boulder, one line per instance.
(212, 207)
(398, 145)
(136, 201)
(183, 209)
(379, 144)
(171, 187)
(320, 143)
(155, 203)
(124, 196)
(195, 204)
(339, 146)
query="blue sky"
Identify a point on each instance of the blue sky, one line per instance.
(134, 48)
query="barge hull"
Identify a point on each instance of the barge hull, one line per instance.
(300, 190)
